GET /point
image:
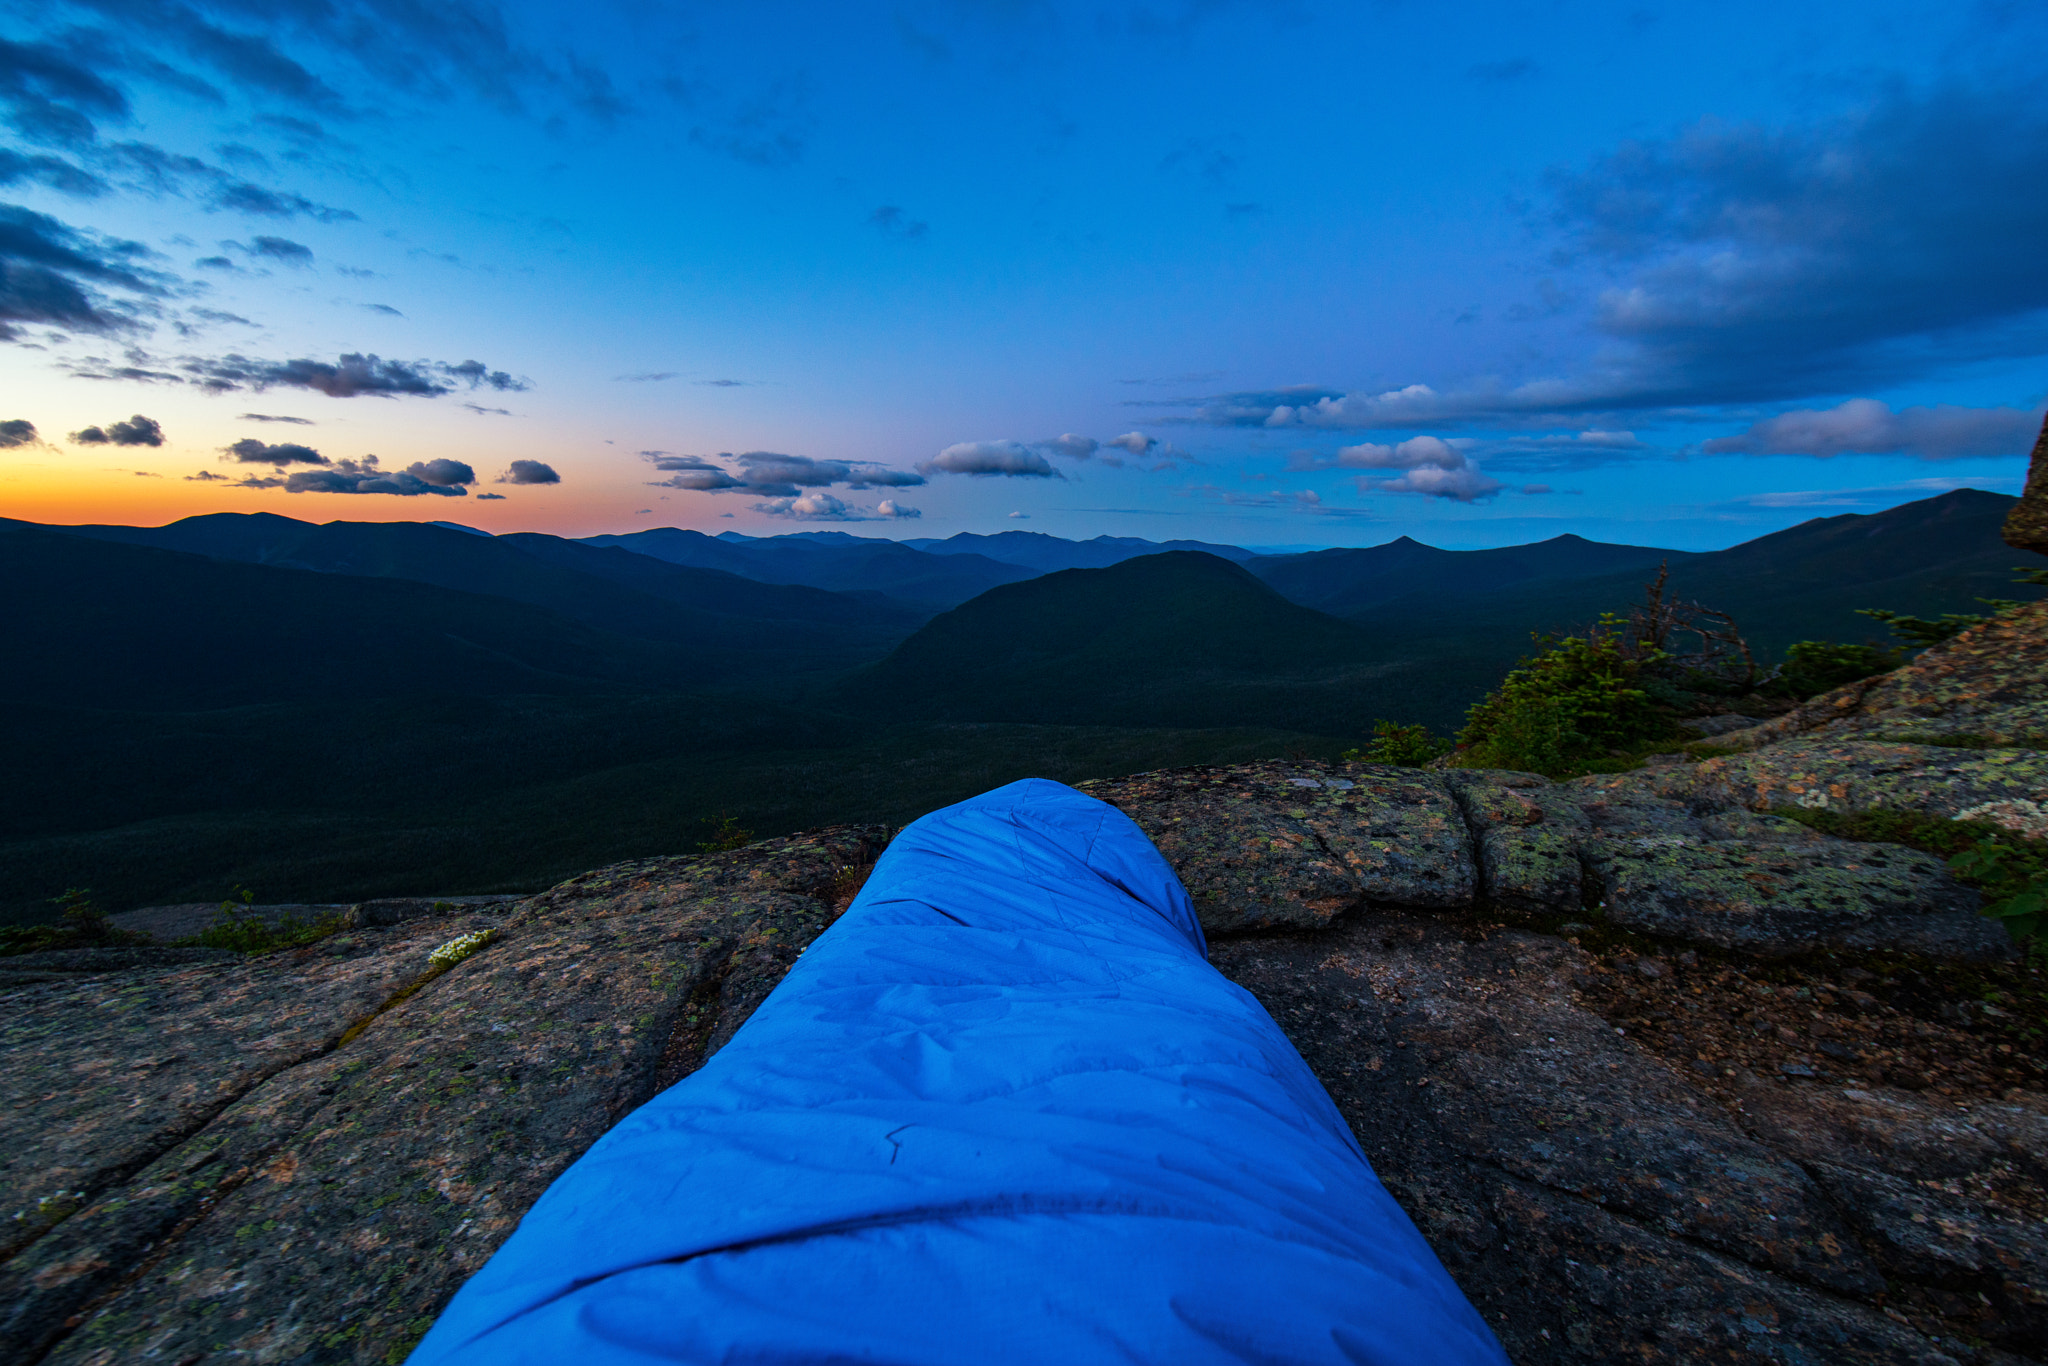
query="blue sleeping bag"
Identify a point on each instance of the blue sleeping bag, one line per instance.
(1002, 1111)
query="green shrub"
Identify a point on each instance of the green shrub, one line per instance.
(2014, 883)
(81, 925)
(1564, 711)
(1407, 746)
(726, 833)
(1813, 667)
(236, 926)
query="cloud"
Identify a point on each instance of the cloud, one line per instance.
(242, 197)
(809, 507)
(1071, 446)
(53, 273)
(1758, 263)
(1737, 263)
(529, 472)
(352, 376)
(1009, 458)
(724, 383)
(1429, 465)
(250, 451)
(648, 378)
(481, 411)
(441, 477)
(488, 497)
(385, 309)
(895, 223)
(1020, 516)
(1461, 486)
(1536, 490)
(774, 475)
(136, 431)
(51, 98)
(52, 172)
(214, 315)
(18, 431)
(275, 417)
(823, 507)
(1864, 426)
(280, 249)
(696, 474)
(206, 477)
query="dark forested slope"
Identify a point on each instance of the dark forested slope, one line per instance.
(1183, 638)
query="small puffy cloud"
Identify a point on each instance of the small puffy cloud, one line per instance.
(1071, 446)
(818, 506)
(809, 507)
(772, 474)
(441, 477)
(488, 497)
(250, 451)
(1429, 465)
(1864, 426)
(1137, 443)
(882, 478)
(275, 417)
(1460, 485)
(206, 477)
(529, 472)
(1417, 452)
(17, 431)
(1012, 459)
(1020, 516)
(701, 478)
(136, 431)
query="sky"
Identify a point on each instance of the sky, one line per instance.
(1285, 274)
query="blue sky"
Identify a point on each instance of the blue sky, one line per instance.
(1268, 274)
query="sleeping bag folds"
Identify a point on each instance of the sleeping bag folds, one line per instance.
(1002, 1111)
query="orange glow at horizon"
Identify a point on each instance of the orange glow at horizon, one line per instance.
(33, 490)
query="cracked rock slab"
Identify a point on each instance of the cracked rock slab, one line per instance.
(107, 1070)
(1593, 1203)
(1532, 840)
(1260, 846)
(341, 1204)
(1769, 886)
